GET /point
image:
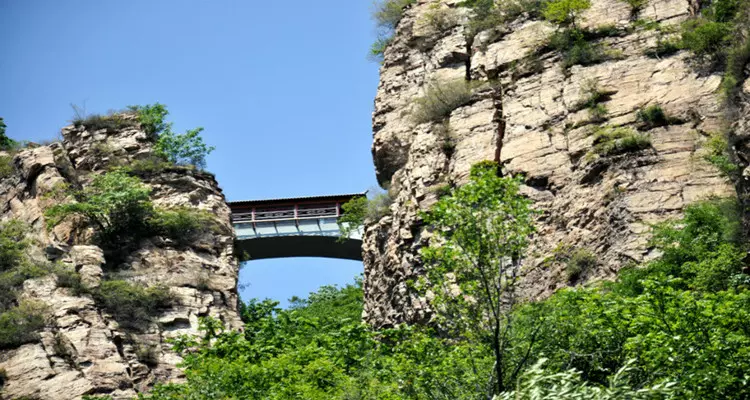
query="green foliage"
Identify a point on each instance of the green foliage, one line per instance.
(387, 14)
(183, 224)
(151, 118)
(440, 99)
(717, 153)
(664, 47)
(565, 12)
(183, 149)
(359, 209)
(538, 384)
(577, 48)
(114, 120)
(654, 116)
(578, 262)
(377, 49)
(6, 143)
(705, 38)
(473, 267)
(116, 204)
(635, 7)
(131, 305)
(118, 207)
(609, 141)
(439, 18)
(21, 324)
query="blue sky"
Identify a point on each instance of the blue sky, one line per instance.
(283, 90)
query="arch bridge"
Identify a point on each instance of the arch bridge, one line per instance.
(294, 227)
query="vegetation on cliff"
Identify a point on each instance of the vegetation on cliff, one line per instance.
(675, 327)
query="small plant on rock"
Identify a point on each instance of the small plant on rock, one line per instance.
(387, 14)
(654, 116)
(717, 153)
(565, 12)
(133, 306)
(609, 141)
(6, 166)
(440, 99)
(579, 262)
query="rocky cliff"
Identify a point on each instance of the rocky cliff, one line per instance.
(527, 112)
(83, 350)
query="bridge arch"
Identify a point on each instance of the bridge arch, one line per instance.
(294, 227)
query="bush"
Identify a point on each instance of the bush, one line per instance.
(183, 224)
(6, 143)
(131, 305)
(13, 244)
(609, 141)
(151, 118)
(183, 149)
(706, 38)
(592, 95)
(439, 18)
(565, 12)
(664, 47)
(718, 154)
(21, 324)
(116, 204)
(576, 49)
(737, 59)
(538, 384)
(440, 99)
(388, 13)
(112, 121)
(6, 166)
(635, 7)
(578, 263)
(653, 116)
(359, 209)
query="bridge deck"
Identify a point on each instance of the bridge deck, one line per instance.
(288, 227)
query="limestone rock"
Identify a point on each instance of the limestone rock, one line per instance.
(529, 121)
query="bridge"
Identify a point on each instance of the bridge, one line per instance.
(294, 227)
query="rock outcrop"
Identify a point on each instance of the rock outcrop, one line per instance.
(528, 118)
(83, 350)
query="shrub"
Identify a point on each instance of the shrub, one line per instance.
(579, 262)
(440, 99)
(538, 384)
(21, 324)
(653, 116)
(439, 18)
(6, 166)
(147, 166)
(147, 353)
(388, 13)
(359, 209)
(576, 49)
(5, 142)
(116, 204)
(183, 149)
(737, 59)
(664, 47)
(592, 94)
(377, 49)
(610, 141)
(598, 113)
(565, 12)
(635, 7)
(112, 121)
(718, 154)
(131, 305)
(183, 224)
(705, 38)
(13, 244)
(151, 118)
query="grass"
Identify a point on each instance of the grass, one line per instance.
(654, 116)
(579, 262)
(132, 305)
(609, 141)
(717, 153)
(95, 122)
(21, 324)
(440, 99)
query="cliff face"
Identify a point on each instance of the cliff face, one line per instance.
(83, 350)
(530, 120)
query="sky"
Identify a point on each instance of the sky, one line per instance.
(283, 89)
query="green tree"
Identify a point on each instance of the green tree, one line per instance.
(5, 142)
(183, 149)
(474, 265)
(152, 118)
(116, 204)
(565, 12)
